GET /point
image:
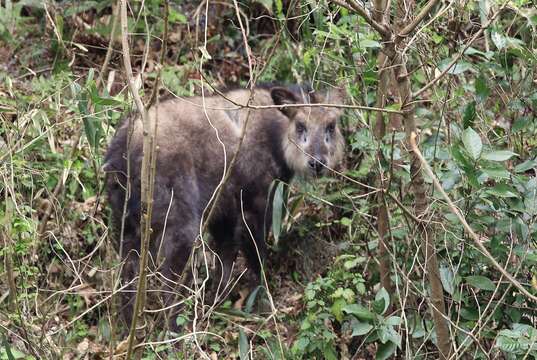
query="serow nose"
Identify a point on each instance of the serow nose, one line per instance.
(317, 165)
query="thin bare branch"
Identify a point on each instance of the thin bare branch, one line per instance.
(353, 5)
(260, 107)
(419, 18)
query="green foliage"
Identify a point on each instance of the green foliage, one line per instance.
(332, 302)
(521, 340)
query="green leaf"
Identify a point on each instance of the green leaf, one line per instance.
(446, 276)
(385, 351)
(345, 221)
(498, 172)
(470, 314)
(367, 43)
(251, 299)
(329, 353)
(499, 40)
(481, 282)
(503, 190)
(499, 155)
(301, 344)
(456, 69)
(90, 130)
(360, 328)
(469, 115)
(361, 312)
(337, 309)
(393, 321)
(460, 158)
(481, 88)
(382, 301)
(277, 212)
(105, 101)
(472, 143)
(176, 17)
(525, 166)
(244, 346)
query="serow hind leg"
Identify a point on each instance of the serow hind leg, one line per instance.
(253, 245)
(129, 276)
(226, 248)
(173, 256)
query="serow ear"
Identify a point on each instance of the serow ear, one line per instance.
(282, 96)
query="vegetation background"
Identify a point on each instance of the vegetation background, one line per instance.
(416, 251)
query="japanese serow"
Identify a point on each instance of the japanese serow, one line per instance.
(196, 140)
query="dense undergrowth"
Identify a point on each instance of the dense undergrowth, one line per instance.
(477, 129)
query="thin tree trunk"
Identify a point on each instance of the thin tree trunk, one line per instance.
(138, 328)
(382, 212)
(393, 37)
(421, 207)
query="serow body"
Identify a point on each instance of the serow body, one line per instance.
(196, 139)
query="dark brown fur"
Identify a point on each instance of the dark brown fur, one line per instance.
(190, 165)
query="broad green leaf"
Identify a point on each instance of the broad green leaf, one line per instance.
(360, 311)
(481, 88)
(459, 68)
(498, 173)
(503, 190)
(329, 353)
(460, 158)
(469, 115)
(509, 344)
(446, 276)
(367, 43)
(472, 143)
(481, 282)
(393, 321)
(385, 351)
(105, 101)
(244, 346)
(470, 314)
(522, 123)
(499, 155)
(382, 301)
(277, 212)
(251, 299)
(337, 309)
(473, 51)
(301, 344)
(499, 40)
(177, 17)
(525, 166)
(360, 328)
(530, 203)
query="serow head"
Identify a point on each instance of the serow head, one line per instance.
(313, 143)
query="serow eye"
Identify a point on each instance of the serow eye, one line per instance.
(300, 128)
(331, 128)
